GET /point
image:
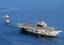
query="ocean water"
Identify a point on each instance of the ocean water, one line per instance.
(30, 11)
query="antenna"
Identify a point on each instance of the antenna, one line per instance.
(41, 18)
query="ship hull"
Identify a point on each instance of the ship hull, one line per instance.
(24, 31)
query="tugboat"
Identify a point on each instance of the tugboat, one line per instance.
(40, 28)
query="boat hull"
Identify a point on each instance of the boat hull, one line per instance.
(24, 31)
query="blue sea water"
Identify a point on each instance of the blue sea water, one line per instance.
(30, 11)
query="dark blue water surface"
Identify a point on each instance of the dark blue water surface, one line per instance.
(52, 11)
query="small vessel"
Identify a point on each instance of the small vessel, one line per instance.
(7, 19)
(41, 28)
